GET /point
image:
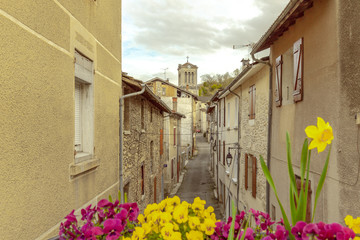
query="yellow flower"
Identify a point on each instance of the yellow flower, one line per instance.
(194, 222)
(138, 234)
(167, 230)
(321, 134)
(208, 226)
(353, 224)
(165, 217)
(175, 236)
(141, 218)
(195, 235)
(198, 204)
(146, 227)
(180, 214)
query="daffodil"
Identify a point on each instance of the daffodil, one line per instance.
(322, 134)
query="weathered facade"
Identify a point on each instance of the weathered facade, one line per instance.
(143, 151)
(314, 56)
(242, 117)
(186, 105)
(53, 56)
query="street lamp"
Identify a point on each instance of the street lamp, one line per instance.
(229, 158)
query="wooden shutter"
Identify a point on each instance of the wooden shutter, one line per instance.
(78, 125)
(246, 171)
(253, 176)
(161, 142)
(224, 153)
(278, 81)
(172, 168)
(298, 50)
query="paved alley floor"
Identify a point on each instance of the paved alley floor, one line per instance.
(197, 181)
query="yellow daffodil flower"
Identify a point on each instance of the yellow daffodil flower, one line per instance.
(322, 134)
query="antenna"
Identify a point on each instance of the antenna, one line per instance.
(249, 46)
(165, 72)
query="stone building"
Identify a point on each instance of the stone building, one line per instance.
(143, 151)
(186, 105)
(60, 90)
(314, 55)
(242, 124)
(187, 77)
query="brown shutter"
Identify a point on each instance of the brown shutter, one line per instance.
(154, 189)
(142, 181)
(174, 136)
(253, 176)
(224, 153)
(298, 50)
(278, 81)
(246, 171)
(161, 142)
(224, 111)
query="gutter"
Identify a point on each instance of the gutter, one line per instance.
(121, 133)
(269, 128)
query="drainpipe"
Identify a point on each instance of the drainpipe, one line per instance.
(121, 130)
(269, 127)
(238, 149)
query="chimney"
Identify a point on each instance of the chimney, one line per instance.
(167, 80)
(245, 63)
(174, 104)
(187, 87)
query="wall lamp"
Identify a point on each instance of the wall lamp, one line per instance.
(229, 157)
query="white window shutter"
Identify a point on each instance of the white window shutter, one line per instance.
(78, 125)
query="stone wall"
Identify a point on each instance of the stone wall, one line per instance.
(137, 152)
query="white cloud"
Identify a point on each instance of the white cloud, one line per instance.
(160, 34)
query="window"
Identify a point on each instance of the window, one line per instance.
(142, 179)
(192, 76)
(172, 168)
(84, 108)
(289, 75)
(185, 76)
(219, 151)
(235, 173)
(163, 91)
(252, 97)
(250, 173)
(142, 114)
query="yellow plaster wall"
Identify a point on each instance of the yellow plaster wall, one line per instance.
(321, 97)
(37, 113)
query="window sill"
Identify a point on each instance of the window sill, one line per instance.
(78, 168)
(227, 172)
(127, 132)
(236, 128)
(143, 130)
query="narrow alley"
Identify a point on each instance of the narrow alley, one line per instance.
(197, 181)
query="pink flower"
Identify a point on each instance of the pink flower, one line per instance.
(113, 228)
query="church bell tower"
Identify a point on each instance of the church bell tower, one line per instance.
(187, 77)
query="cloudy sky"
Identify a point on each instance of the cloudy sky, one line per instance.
(160, 34)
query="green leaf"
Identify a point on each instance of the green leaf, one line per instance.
(272, 185)
(292, 205)
(231, 231)
(110, 198)
(290, 168)
(301, 209)
(307, 183)
(246, 226)
(125, 198)
(321, 182)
